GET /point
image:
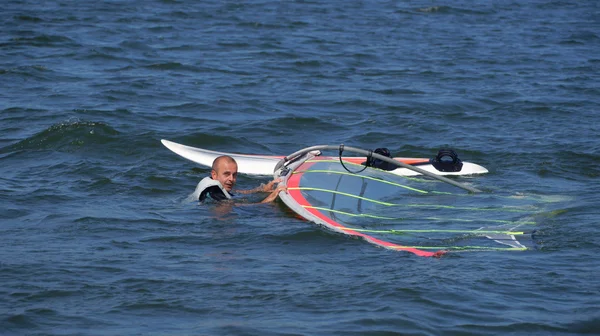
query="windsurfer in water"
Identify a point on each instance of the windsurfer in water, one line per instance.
(222, 180)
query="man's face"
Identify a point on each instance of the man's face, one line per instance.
(226, 173)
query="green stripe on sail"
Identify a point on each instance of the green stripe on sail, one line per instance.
(482, 232)
(418, 178)
(435, 206)
(424, 218)
(344, 194)
(359, 176)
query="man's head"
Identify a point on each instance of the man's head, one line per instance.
(224, 170)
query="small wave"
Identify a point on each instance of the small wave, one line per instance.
(589, 326)
(308, 64)
(200, 15)
(50, 294)
(68, 136)
(19, 321)
(166, 28)
(18, 113)
(103, 54)
(448, 9)
(240, 45)
(434, 9)
(174, 66)
(397, 91)
(183, 239)
(578, 163)
(309, 233)
(586, 36)
(135, 45)
(36, 72)
(358, 103)
(571, 41)
(168, 306)
(261, 25)
(187, 107)
(28, 18)
(42, 41)
(291, 122)
(271, 51)
(181, 47)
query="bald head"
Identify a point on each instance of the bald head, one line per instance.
(224, 170)
(222, 158)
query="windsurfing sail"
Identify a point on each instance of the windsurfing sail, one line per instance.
(414, 214)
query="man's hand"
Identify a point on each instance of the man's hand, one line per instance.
(274, 194)
(261, 188)
(269, 186)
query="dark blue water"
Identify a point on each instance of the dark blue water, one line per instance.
(97, 235)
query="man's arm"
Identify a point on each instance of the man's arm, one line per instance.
(273, 195)
(261, 188)
(265, 188)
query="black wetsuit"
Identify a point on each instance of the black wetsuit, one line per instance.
(214, 193)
